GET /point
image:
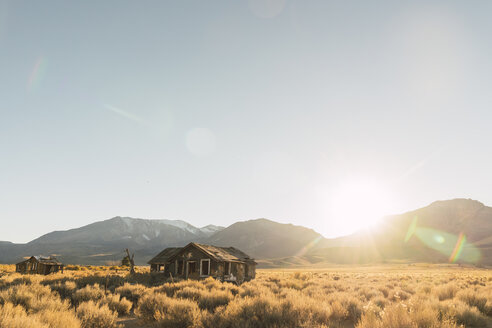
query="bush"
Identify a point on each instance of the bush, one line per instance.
(132, 292)
(12, 316)
(117, 303)
(369, 320)
(397, 316)
(254, 312)
(473, 299)
(418, 298)
(53, 319)
(446, 292)
(462, 313)
(268, 310)
(93, 315)
(15, 316)
(88, 293)
(64, 289)
(213, 299)
(168, 312)
(34, 298)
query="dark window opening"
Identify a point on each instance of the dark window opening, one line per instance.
(227, 269)
(205, 264)
(180, 267)
(191, 267)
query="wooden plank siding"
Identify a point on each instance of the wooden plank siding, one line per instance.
(197, 261)
(39, 265)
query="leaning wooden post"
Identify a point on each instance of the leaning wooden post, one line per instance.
(106, 285)
(132, 262)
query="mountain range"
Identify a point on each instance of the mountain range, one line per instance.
(458, 230)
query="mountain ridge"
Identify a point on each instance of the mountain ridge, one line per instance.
(436, 229)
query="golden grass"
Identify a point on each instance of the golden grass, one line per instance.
(96, 315)
(363, 297)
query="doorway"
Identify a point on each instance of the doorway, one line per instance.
(191, 268)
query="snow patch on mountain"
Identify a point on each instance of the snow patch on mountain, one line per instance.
(211, 229)
(182, 225)
(149, 229)
(128, 222)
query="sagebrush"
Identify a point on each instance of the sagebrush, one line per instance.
(377, 297)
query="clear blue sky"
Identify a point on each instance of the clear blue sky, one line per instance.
(219, 111)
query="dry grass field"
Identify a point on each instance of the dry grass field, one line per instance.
(364, 297)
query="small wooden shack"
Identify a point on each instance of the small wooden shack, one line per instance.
(39, 265)
(199, 261)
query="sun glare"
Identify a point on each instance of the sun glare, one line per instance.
(357, 205)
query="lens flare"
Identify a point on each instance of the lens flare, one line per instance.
(458, 249)
(126, 114)
(411, 229)
(452, 246)
(439, 239)
(37, 73)
(306, 248)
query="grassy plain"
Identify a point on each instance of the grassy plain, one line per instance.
(365, 297)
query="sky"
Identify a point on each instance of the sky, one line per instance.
(214, 112)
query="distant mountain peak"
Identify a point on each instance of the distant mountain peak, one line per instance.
(103, 242)
(212, 227)
(265, 238)
(462, 202)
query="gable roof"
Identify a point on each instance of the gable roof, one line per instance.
(165, 255)
(220, 254)
(51, 260)
(224, 253)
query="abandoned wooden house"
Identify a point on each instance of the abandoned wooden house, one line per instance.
(198, 261)
(40, 265)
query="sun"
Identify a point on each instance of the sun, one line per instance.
(357, 205)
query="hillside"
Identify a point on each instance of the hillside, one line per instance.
(104, 241)
(124, 229)
(263, 238)
(428, 234)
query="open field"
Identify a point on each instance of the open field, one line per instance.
(365, 297)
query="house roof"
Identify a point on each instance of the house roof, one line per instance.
(165, 255)
(229, 254)
(44, 259)
(224, 253)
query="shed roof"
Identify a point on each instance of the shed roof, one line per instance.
(229, 254)
(50, 260)
(47, 260)
(165, 255)
(224, 253)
